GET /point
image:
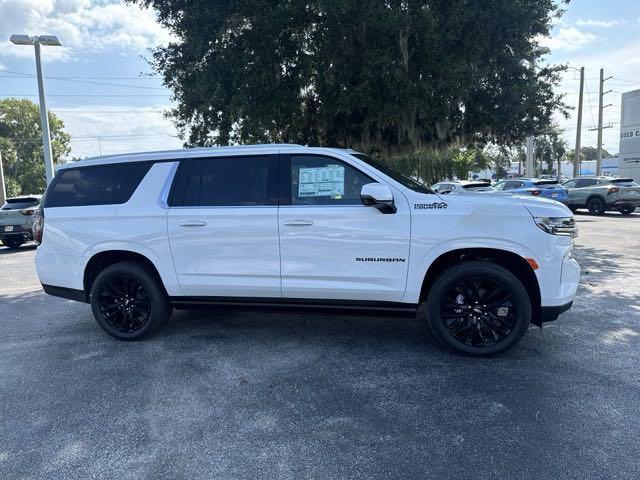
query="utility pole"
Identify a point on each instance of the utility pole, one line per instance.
(577, 160)
(600, 127)
(529, 164)
(3, 192)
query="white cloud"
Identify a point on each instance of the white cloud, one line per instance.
(108, 129)
(569, 38)
(589, 22)
(83, 26)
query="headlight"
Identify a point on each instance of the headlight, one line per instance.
(558, 225)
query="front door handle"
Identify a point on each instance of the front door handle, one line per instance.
(193, 223)
(298, 223)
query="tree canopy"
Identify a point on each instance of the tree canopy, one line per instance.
(381, 76)
(21, 145)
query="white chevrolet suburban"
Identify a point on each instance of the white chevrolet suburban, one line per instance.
(288, 226)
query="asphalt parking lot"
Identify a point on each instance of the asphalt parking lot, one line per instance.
(289, 396)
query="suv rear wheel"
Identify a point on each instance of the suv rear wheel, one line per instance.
(596, 206)
(128, 301)
(478, 308)
(627, 210)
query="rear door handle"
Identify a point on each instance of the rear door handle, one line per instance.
(193, 223)
(298, 223)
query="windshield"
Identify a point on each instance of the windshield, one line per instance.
(398, 176)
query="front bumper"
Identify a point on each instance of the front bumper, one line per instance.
(625, 202)
(549, 314)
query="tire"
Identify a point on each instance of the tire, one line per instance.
(627, 210)
(467, 328)
(596, 206)
(13, 243)
(128, 301)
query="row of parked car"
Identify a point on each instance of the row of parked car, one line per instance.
(596, 194)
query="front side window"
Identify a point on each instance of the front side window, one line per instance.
(569, 184)
(319, 180)
(586, 182)
(100, 185)
(227, 181)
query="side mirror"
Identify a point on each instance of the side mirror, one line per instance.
(378, 196)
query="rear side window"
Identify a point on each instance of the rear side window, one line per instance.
(101, 185)
(227, 181)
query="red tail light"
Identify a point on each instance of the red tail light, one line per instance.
(613, 190)
(535, 192)
(28, 211)
(38, 225)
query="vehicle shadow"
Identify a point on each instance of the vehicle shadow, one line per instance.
(23, 248)
(584, 214)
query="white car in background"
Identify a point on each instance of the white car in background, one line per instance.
(462, 186)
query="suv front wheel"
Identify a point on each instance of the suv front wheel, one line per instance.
(477, 308)
(128, 301)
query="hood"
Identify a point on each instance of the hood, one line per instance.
(536, 206)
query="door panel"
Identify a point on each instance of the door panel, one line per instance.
(226, 251)
(333, 247)
(223, 227)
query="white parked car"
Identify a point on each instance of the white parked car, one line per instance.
(462, 186)
(291, 226)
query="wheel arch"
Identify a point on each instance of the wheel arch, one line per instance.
(101, 260)
(509, 260)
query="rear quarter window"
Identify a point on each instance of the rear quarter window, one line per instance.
(100, 185)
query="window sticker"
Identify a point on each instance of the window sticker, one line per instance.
(321, 181)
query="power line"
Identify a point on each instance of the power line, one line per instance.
(66, 79)
(15, 74)
(87, 95)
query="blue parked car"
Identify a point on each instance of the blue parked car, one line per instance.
(533, 186)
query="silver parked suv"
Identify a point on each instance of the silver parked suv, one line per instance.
(599, 194)
(16, 220)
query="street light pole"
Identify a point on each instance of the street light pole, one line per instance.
(44, 118)
(37, 41)
(577, 160)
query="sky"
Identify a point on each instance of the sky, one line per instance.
(111, 101)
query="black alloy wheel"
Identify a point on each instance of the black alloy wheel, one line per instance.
(596, 206)
(477, 308)
(124, 304)
(128, 301)
(478, 311)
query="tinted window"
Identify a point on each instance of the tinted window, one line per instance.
(570, 183)
(101, 185)
(20, 203)
(510, 185)
(228, 181)
(317, 180)
(398, 176)
(585, 182)
(624, 182)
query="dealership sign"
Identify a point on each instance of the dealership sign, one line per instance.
(629, 163)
